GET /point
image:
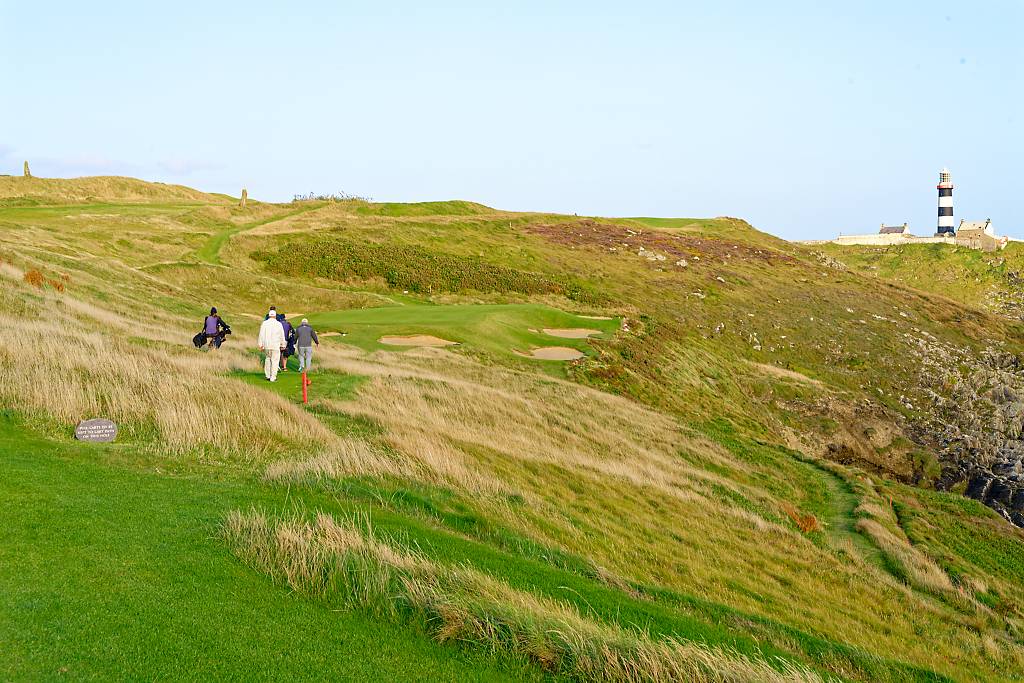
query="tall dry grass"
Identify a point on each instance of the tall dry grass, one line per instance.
(878, 522)
(629, 490)
(918, 569)
(341, 458)
(344, 562)
(77, 360)
(71, 374)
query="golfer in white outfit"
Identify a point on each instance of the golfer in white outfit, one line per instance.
(271, 342)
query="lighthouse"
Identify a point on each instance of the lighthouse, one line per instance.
(945, 188)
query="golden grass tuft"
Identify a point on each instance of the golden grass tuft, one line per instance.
(342, 561)
(9, 270)
(919, 570)
(342, 458)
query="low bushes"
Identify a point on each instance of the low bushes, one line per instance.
(37, 279)
(807, 523)
(34, 278)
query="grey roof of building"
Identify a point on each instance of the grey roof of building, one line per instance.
(892, 229)
(973, 225)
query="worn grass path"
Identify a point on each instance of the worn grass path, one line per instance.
(210, 251)
(842, 522)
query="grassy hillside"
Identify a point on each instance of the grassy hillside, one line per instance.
(21, 191)
(990, 280)
(723, 487)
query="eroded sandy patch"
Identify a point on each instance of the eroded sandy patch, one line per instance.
(783, 373)
(571, 332)
(415, 340)
(596, 317)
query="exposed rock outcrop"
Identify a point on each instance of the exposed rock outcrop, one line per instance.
(975, 424)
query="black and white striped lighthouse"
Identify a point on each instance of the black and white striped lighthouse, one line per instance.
(945, 187)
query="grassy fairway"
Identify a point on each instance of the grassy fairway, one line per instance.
(111, 573)
(494, 328)
(289, 384)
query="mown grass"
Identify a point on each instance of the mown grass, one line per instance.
(498, 329)
(166, 563)
(323, 383)
(577, 498)
(654, 610)
(110, 572)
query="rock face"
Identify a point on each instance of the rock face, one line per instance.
(976, 427)
(1000, 488)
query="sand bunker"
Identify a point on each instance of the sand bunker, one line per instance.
(552, 353)
(596, 317)
(571, 333)
(416, 340)
(330, 334)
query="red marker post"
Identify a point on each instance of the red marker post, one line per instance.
(305, 383)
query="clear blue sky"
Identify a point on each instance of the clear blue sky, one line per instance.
(806, 118)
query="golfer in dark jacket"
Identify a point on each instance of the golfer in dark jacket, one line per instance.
(214, 328)
(289, 338)
(305, 337)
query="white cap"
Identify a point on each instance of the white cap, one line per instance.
(273, 311)
(305, 321)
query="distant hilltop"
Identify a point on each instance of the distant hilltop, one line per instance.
(972, 234)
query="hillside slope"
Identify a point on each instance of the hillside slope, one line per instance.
(22, 191)
(736, 480)
(990, 280)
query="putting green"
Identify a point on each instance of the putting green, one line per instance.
(501, 329)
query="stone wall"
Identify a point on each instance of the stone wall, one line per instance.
(890, 240)
(979, 239)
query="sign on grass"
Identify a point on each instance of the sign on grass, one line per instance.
(97, 429)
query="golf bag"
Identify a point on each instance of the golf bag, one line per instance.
(214, 340)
